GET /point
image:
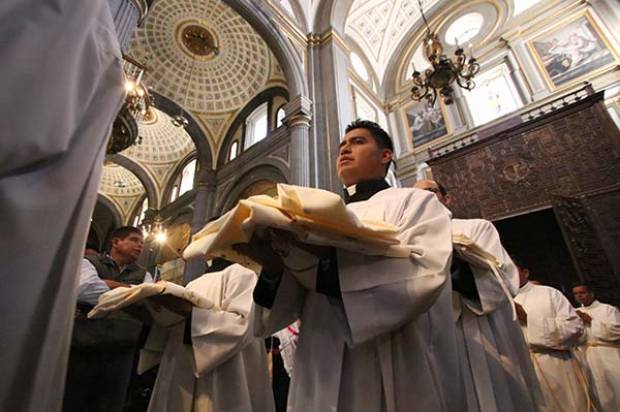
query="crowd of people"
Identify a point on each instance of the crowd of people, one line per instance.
(453, 327)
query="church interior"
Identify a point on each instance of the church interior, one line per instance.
(512, 105)
(264, 91)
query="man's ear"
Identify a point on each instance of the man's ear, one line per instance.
(387, 156)
(448, 199)
(114, 241)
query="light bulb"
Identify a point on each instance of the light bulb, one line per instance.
(161, 237)
(129, 85)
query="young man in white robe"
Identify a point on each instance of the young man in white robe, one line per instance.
(601, 347)
(212, 361)
(496, 367)
(377, 332)
(552, 329)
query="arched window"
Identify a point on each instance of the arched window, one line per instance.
(464, 28)
(142, 212)
(280, 117)
(256, 126)
(184, 182)
(233, 150)
(359, 67)
(187, 177)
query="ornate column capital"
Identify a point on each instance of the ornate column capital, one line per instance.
(298, 112)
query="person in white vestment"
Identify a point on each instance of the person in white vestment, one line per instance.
(601, 347)
(552, 329)
(496, 367)
(212, 362)
(60, 89)
(377, 332)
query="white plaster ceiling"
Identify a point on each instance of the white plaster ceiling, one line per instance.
(161, 143)
(122, 187)
(378, 26)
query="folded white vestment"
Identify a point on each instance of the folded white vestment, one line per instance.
(122, 297)
(472, 253)
(314, 216)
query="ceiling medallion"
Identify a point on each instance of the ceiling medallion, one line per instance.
(438, 79)
(197, 40)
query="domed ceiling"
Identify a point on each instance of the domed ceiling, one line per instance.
(176, 43)
(121, 187)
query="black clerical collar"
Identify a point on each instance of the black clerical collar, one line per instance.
(364, 190)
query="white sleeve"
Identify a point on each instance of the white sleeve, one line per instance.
(491, 294)
(561, 332)
(380, 294)
(607, 326)
(218, 334)
(91, 285)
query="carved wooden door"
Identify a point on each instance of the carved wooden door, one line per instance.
(584, 243)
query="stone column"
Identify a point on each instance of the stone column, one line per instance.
(203, 210)
(127, 15)
(298, 116)
(328, 62)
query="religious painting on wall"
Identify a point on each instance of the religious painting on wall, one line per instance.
(572, 50)
(425, 123)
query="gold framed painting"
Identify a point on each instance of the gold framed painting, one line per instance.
(573, 50)
(424, 124)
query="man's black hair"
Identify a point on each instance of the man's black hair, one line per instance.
(581, 283)
(124, 231)
(382, 137)
(92, 241)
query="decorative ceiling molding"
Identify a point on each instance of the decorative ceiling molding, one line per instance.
(122, 188)
(162, 142)
(378, 26)
(217, 125)
(221, 83)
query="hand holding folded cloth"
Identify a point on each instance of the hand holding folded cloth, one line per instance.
(155, 297)
(472, 253)
(310, 217)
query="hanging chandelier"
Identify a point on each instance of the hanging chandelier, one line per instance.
(438, 79)
(137, 104)
(153, 227)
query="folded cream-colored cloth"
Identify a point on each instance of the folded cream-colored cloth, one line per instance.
(314, 216)
(119, 298)
(472, 253)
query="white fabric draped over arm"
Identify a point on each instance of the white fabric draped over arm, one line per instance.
(380, 294)
(219, 334)
(561, 332)
(91, 285)
(606, 327)
(491, 294)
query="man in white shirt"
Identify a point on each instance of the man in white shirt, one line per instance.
(496, 367)
(100, 273)
(601, 347)
(103, 351)
(377, 332)
(552, 329)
